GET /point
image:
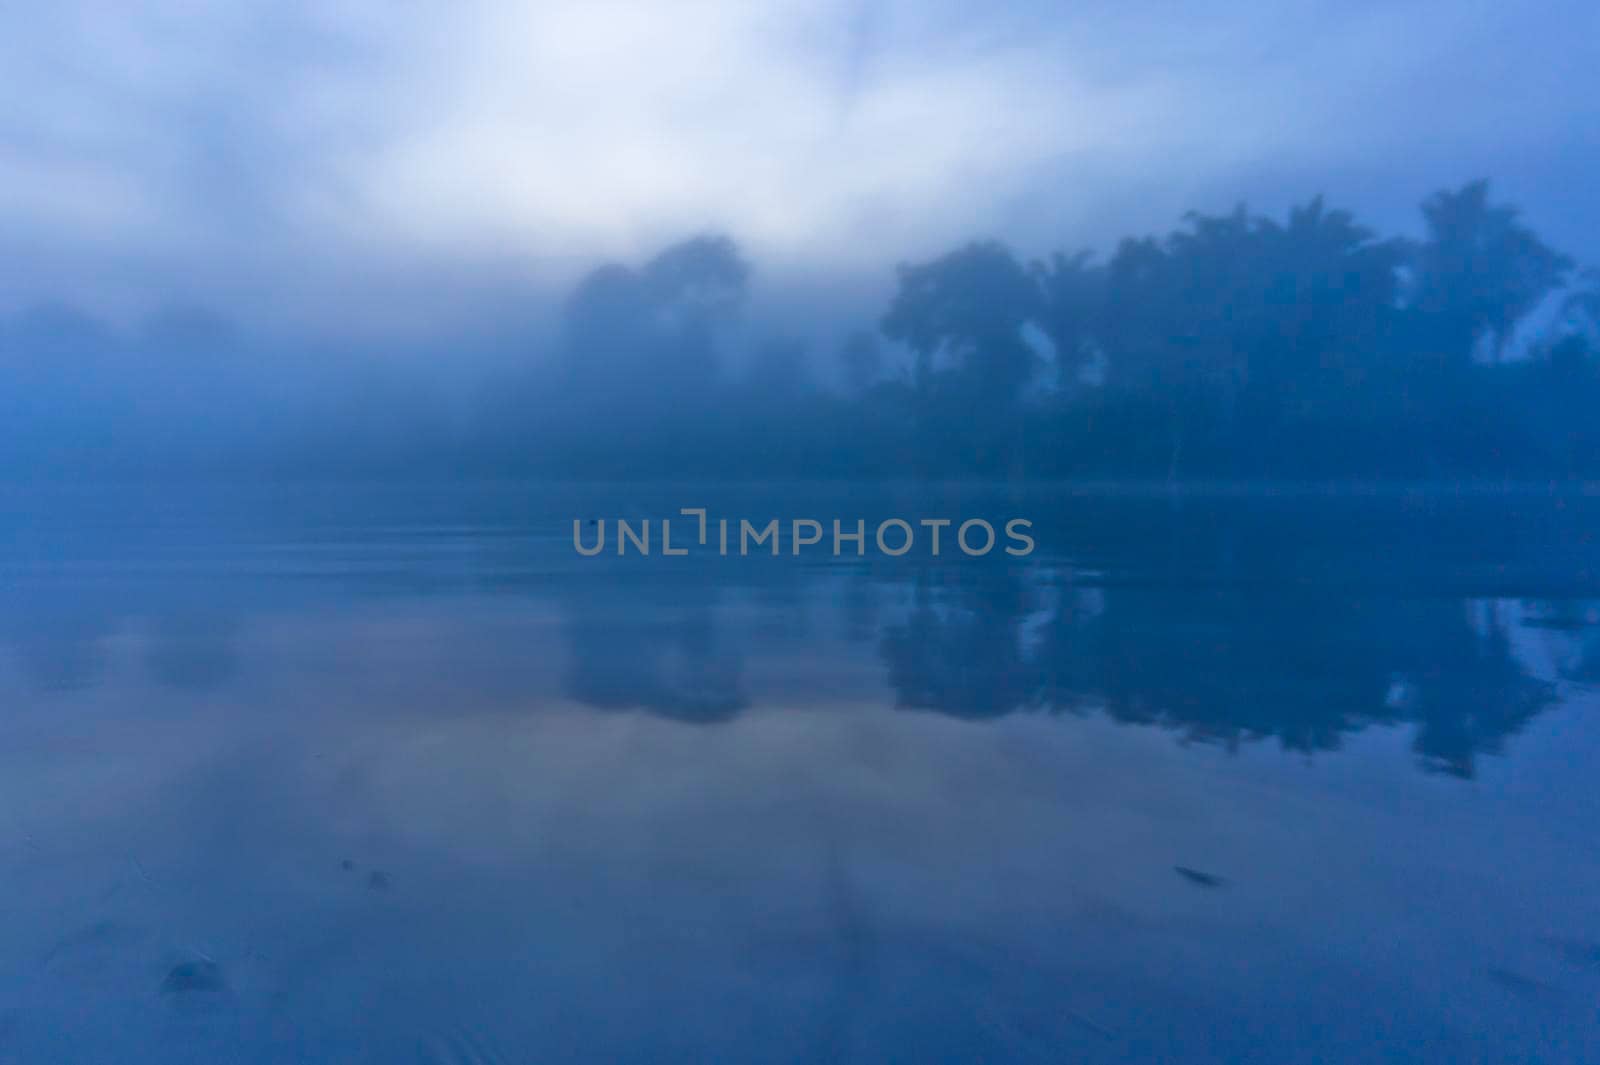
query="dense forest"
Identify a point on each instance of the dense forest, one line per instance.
(1236, 346)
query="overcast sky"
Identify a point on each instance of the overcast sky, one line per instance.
(390, 164)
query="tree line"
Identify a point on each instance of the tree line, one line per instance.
(1235, 346)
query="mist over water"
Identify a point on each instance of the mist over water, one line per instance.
(395, 774)
(812, 531)
(1236, 346)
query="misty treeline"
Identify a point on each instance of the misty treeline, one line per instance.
(1235, 346)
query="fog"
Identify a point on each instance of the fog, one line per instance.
(822, 238)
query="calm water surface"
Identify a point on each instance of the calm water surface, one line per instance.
(393, 775)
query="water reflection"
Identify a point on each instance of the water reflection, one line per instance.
(1224, 621)
(959, 649)
(660, 653)
(390, 788)
(1303, 666)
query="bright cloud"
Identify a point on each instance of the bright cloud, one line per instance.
(326, 148)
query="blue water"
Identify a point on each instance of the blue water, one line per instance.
(340, 774)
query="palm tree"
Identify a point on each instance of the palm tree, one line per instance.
(1480, 270)
(1331, 288)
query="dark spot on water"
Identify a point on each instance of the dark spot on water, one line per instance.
(378, 880)
(1195, 876)
(347, 865)
(201, 975)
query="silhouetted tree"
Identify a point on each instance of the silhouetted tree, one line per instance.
(695, 287)
(1479, 271)
(1072, 305)
(970, 307)
(964, 316)
(646, 341)
(607, 324)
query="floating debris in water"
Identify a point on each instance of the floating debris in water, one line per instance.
(378, 880)
(201, 975)
(347, 865)
(1195, 876)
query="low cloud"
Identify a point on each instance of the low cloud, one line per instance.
(320, 165)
